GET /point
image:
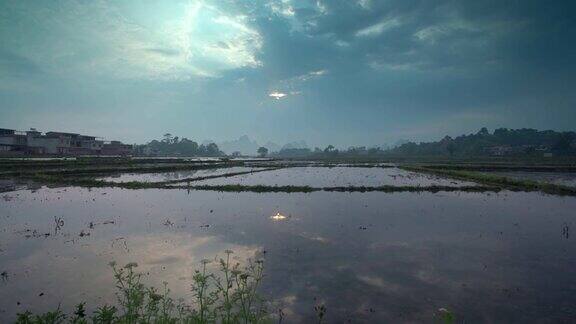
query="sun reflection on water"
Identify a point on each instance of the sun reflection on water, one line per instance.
(278, 216)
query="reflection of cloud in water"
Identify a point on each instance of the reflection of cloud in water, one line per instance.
(379, 283)
(403, 255)
(174, 256)
(315, 237)
(60, 274)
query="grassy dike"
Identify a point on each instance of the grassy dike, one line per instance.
(504, 183)
(306, 189)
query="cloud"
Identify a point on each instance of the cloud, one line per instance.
(16, 65)
(362, 67)
(308, 76)
(378, 28)
(100, 38)
(295, 84)
(277, 95)
(164, 51)
(365, 4)
(283, 8)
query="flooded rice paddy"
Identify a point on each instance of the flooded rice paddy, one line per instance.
(336, 177)
(368, 257)
(174, 175)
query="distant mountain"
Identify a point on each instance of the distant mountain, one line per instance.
(400, 143)
(272, 147)
(247, 146)
(295, 145)
(243, 144)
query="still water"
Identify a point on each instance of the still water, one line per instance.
(336, 177)
(173, 175)
(369, 257)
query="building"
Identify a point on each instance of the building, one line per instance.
(12, 142)
(76, 144)
(58, 143)
(33, 142)
(41, 144)
(116, 148)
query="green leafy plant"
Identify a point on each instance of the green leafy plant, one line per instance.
(230, 296)
(445, 316)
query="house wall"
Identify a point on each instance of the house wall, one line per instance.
(92, 145)
(116, 148)
(4, 131)
(13, 140)
(7, 140)
(33, 142)
(46, 145)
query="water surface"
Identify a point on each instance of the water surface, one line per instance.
(336, 177)
(173, 175)
(369, 257)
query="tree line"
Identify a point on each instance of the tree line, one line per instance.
(174, 146)
(503, 141)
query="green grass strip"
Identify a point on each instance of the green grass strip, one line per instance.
(498, 181)
(306, 189)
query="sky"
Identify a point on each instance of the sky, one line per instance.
(344, 72)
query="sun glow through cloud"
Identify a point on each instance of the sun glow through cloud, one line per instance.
(209, 40)
(277, 95)
(168, 41)
(384, 71)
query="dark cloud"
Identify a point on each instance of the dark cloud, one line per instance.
(423, 67)
(164, 51)
(17, 66)
(433, 59)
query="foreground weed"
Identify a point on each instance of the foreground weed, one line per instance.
(227, 297)
(445, 316)
(320, 312)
